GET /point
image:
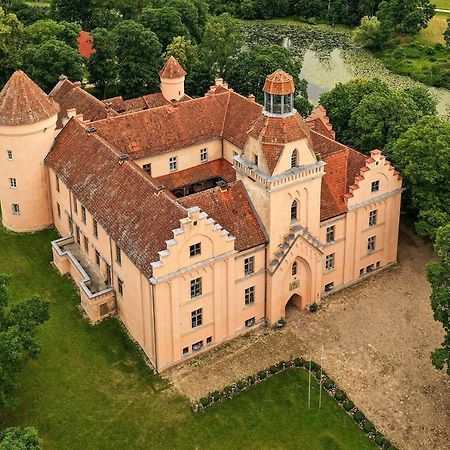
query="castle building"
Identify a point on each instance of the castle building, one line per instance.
(193, 220)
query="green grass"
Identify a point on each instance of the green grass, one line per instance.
(444, 4)
(434, 33)
(90, 387)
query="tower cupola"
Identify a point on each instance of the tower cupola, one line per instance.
(279, 90)
(172, 77)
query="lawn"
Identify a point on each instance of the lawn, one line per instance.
(90, 387)
(444, 4)
(434, 33)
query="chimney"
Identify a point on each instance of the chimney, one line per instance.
(77, 83)
(252, 98)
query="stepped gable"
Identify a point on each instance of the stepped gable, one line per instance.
(218, 168)
(158, 130)
(319, 121)
(172, 69)
(23, 102)
(71, 95)
(121, 196)
(231, 207)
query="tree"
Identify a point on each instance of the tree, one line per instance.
(44, 30)
(250, 68)
(438, 274)
(370, 34)
(222, 40)
(18, 343)
(11, 42)
(16, 438)
(189, 16)
(184, 51)
(405, 16)
(78, 11)
(45, 63)
(422, 156)
(165, 22)
(138, 54)
(26, 13)
(447, 33)
(102, 65)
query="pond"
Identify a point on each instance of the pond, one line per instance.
(329, 56)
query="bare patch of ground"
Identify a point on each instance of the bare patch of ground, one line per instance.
(377, 338)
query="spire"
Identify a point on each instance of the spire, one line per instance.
(23, 102)
(172, 69)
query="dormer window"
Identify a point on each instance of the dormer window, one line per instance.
(294, 158)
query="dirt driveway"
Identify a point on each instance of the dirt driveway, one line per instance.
(377, 337)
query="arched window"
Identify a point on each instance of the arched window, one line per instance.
(294, 269)
(294, 210)
(294, 159)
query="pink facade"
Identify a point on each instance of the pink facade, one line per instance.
(198, 220)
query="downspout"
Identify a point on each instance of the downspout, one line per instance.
(152, 286)
(265, 283)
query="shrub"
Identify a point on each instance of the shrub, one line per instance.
(314, 307)
(281, 365)
(349, 405)
(339, 395)
(262, 374)
(329, 384)
(368, 426)
(379, 439)
(298, 362)
(273, 369)
(314, 366)
(228, 389)
(216, 396)
(359, 416)
(204, 401)
(240, 384)
(251, 379)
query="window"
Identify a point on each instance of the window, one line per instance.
(373, 218)
(57, 184)
(120, 286)
(378, 264)
(203, 154)
(294, 156)
(58, 209)
(185, 350)
(370, 268)
(70, 221)
(15, 208)
(78, 235)
(12, 182)
(209, 339)
(329, 261)
(108, 275)
(147, 168)
(375, 186)
(196, 287)
(371, 244)
(294, 269)
(250, 295)
(195, 249)
(86, 244)
(75, 205)
(197, 346)
(250, 322)
(173, 165)
(9, 154)
(196, 318)
(255, 159)
(118, 255)
(294, 210)
(249, 265)
(361, 272)
(83, 214)
(330, 234)
(329, 287)
(95, 227)
(97, 258)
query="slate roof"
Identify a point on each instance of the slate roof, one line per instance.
(120, 195)
(232, 209)
(23, 102)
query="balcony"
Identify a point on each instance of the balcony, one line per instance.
(97, 298)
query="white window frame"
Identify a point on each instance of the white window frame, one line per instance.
(249, 265)
(203, 154)
(249, 295)
(13, 183)
(9, 155)
(197, 318)
(15, 207)
(373, 216)
(173, 163)
(329, 262)
(196, 287)
(375, 187)
(331, 233)
(371, 244)
(195, 249)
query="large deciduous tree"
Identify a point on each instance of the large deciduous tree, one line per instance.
(16, 438)
(18, 343)
(422, 156)
(370, 34)
(222, 40)
(44, 30)
(79, 11)
(138, 53)
(438, 274)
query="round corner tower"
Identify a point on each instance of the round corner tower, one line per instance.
(172, 77)
(27, 131)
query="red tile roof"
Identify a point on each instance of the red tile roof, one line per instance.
(70, 95)
(85, 44)
(172, 69)
(120, 195)
(23, 102)
(279, 83)
(232, 209)
(218, 168)
(320, 122)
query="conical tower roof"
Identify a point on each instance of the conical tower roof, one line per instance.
(23, 102)
(279, 83)
(172, 69)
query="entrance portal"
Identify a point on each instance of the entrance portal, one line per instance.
(293, 305)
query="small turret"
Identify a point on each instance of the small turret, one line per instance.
(279, 90)
(27, 132)
(172, 77)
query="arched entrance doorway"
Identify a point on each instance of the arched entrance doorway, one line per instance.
(293, 305)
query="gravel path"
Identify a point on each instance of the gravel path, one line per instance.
(377, 337)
